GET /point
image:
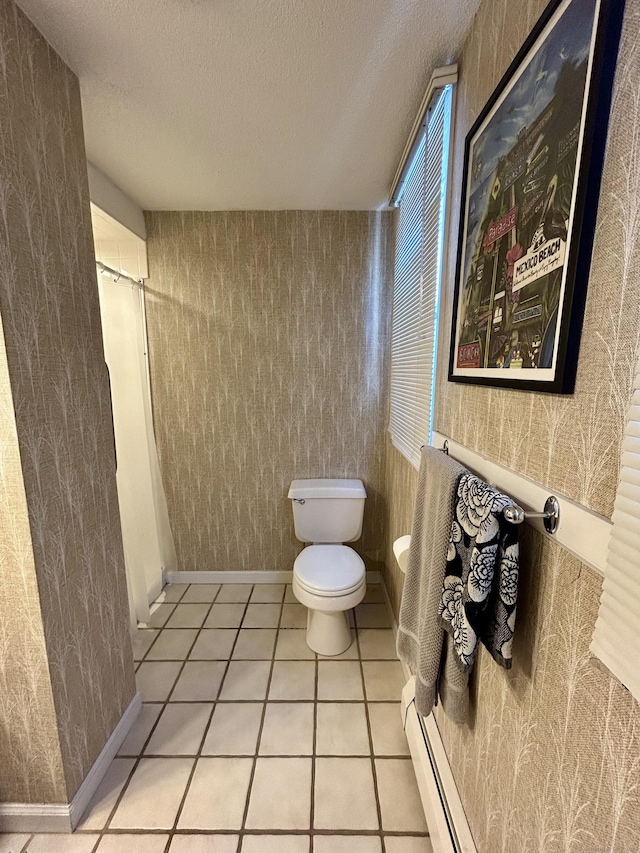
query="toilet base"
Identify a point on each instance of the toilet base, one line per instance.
(328, 633)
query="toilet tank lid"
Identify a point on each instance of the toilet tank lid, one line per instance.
(327, 489)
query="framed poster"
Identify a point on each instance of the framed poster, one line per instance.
(533, 164)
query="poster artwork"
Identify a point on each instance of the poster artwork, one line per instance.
(522, 175)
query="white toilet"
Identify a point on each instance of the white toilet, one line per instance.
(328, 577)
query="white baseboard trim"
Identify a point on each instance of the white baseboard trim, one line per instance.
(448, 827)
(35, 817)
(100, 766)
(229, 577)
(242, 577)
(63, 817)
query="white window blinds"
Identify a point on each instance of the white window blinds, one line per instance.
(417, 276)
(616, 639)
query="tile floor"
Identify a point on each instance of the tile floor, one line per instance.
(248, 742)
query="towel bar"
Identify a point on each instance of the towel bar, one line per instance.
(516, 514)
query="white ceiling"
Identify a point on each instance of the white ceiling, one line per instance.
(251, 104)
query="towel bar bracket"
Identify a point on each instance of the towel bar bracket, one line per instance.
(551, 515)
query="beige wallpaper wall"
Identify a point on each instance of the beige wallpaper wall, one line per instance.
(59, 385)
(29, 744)
(550, 761)
(267, 340)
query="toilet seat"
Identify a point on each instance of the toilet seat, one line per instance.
(329, 570)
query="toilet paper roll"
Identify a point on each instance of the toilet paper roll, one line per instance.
(401, 551)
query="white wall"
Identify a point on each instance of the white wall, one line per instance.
(110, 198)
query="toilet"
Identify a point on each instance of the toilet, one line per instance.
(328, 577)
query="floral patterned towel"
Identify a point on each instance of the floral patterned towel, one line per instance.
(480, 589)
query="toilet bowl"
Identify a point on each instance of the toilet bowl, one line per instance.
(329, 578)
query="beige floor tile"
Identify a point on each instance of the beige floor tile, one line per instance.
(342, 729)
(275, 844)
(172, 644)
(246, 679)
(291, 809)
(344, 795)
(400, 803)
(153, 796)
(373, 594)
(407, 844)
(288, 729)
(123, 843)
(339, 680)
(199, 681)
(261, 616)
(268, 592)
(377, 644)
(348, 654)
(289, 597)
(373, 616)
(294, 616)
(106, 795)
(293, 680)
(217, 794)
(255, 644)
(234, 729)
(139, 732)
(292, 645)
(180, 729)
(12, 842)
(141, 641)
(383, 680)
(200, 592)
(160, 615)
(213, 644)
(62, 843)
(225, 616)
(387, 733)
(188, 616)
(173, 592)
(155, 680)
(347, 844)
(234, 592)
(204, 844)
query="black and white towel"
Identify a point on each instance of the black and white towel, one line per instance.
(480, 589)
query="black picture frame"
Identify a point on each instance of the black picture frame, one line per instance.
(545, 139)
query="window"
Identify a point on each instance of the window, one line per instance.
(616, 638)
(420, 192)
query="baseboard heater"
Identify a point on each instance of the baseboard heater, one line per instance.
(448, 827)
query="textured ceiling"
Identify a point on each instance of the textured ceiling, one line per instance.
(251, 104)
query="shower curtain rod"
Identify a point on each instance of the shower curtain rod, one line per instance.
(110, 271)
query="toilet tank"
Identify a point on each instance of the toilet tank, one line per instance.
(327, 511)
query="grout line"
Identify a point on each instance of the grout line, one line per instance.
(371, 750)
(141, 755)
(208, 725)
(261, 726)
(312, 815)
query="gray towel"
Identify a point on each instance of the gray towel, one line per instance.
(420, 632)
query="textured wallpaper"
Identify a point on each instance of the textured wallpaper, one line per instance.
(551, 759)
(29, 746)
(59, 383)
(268, 334)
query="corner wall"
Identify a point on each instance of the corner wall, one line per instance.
(549, 761)
(268, 334)
(65, 636)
